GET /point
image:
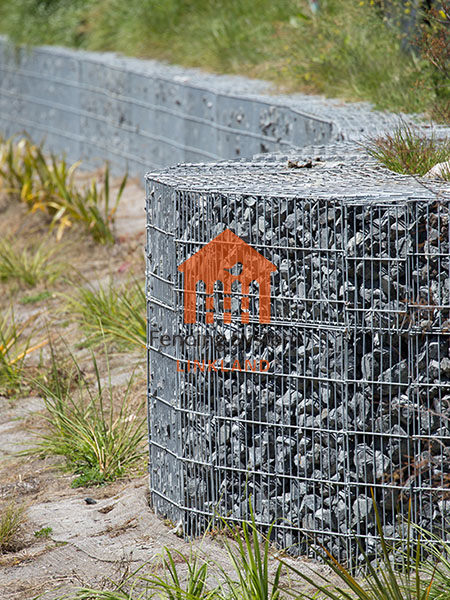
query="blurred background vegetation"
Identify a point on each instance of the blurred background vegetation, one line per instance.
(351, 49)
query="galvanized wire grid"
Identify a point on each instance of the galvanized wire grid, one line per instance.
(357, 397)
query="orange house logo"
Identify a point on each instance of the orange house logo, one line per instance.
(217, 261)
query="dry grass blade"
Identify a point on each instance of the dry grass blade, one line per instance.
(15, 346)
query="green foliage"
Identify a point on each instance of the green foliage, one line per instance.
(117, 312)
(12, 517)
(45, 532)
(409, 151)
(92, 207)
(250, 559)
(33, 298)
(174, 586)
(99, 442)
(437, 566)
(348, 49)
(435, 44)
(29, 266)
(47, 184)
(52, 21)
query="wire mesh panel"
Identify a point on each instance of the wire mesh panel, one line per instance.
(343, 390)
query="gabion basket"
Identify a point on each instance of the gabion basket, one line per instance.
(343, 392)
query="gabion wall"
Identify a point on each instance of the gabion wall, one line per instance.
(141, 114)
(357, 395)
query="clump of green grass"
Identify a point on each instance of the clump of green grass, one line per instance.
(99, 441)
(92, 206)
(29, 266)
(409, 151)
(117, 312)
(12, 518)
(47, 184)
(33, 298)
(173, 586)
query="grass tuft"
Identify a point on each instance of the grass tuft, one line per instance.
(29, 266)
(250, 559)
(100, 442)
(114, 312)
(12, 518)
(190, 586)
(15, 346)
(409, 151)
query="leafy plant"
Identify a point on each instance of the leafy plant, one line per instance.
(45, 532)
(409, 151)
(92, 207)
(99, 442)
(30, 266)
(47, 184)
(12, 517)
(115, 312)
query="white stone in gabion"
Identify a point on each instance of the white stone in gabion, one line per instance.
(444, 507)
(439, 170)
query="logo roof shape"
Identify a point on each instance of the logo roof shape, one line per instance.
(214, 262)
